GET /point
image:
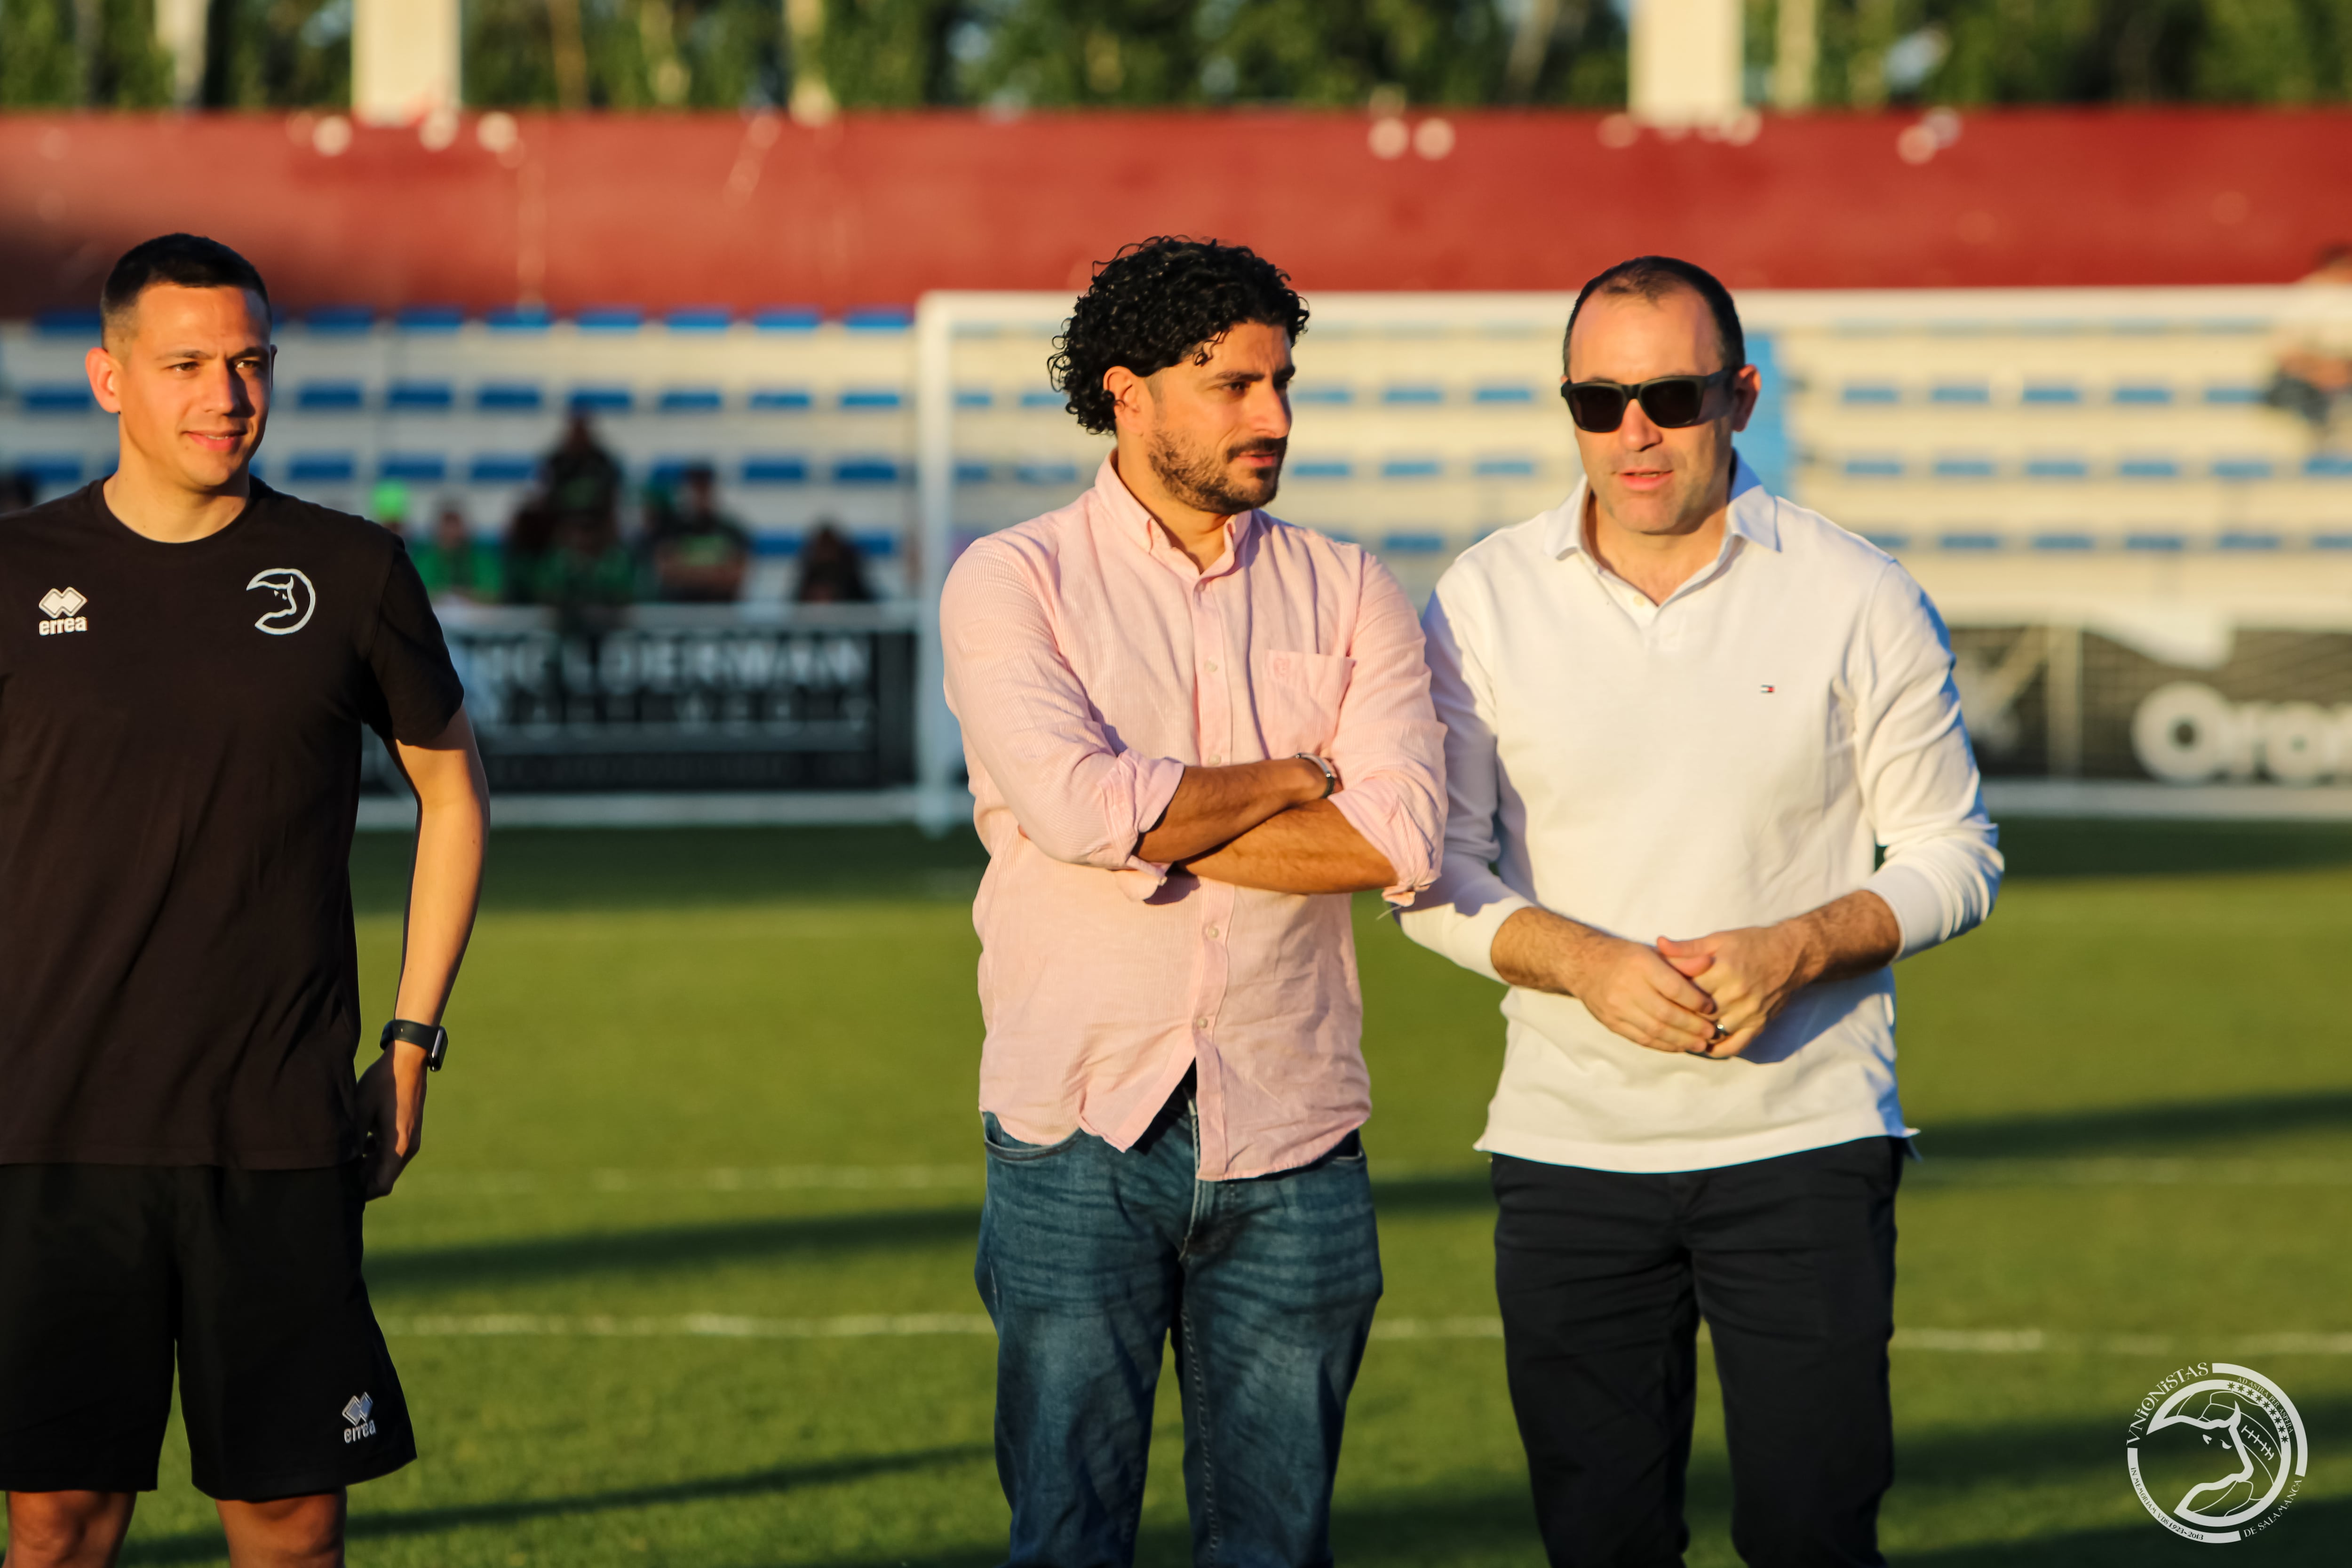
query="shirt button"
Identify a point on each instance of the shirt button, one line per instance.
(1212, 666)
(1200, 1023)
(1216, 762)
(1213, 933)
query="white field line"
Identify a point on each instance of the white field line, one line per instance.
(938, 1325)
(1934, 1170)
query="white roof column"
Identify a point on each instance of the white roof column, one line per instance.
(405, 59)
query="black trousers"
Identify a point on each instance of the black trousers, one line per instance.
(1604, 1276)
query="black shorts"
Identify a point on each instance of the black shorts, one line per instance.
(253, 1276)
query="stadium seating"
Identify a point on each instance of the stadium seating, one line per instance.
(2041, 426)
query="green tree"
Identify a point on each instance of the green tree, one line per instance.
(279, 54)
(70, 54)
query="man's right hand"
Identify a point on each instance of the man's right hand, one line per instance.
(1629, 986)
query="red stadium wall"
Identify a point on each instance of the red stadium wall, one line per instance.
(675, 210)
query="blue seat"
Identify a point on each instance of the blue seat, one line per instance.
(878, 319)
(1870, 394)
(1966, 468)
(2148, 468)
(865, 471)
(1323, 469)
(1412, 542)
(2249, 542)
(2057, 469)
(691, 400)
(1044, 397)
(1411, 468)
(415, 468)
(866, 398)
(1521, 394)
(2232, 392)
(521, 319)
(2242, 468)
(2328, 466)
(775, 471)
(1970, 541)
(974, 397)
(2142, 395)
(972, 471)
(330, 397)
(322, 469)
(430, 319)
(501, 468)
(339, 320)
(510, 397)
(420, 397)
(1965, 393)
(2065, 542)
(1504, 467)
(782, 399)
(1045, 473)
(2331, 542)
(1322, 393)
(74, 323)
(48, 469)
(610, 319)
(2157, 541)
(59, 397)
(601, 397)
(1874, 468)
(787, 319)
(875, 544)
(1889, 542)
(668, 469)
(699, 319)
(2050, 394)
(1417, 396)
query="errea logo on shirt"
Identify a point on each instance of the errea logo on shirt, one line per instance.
(359, 1414)
(63, 606)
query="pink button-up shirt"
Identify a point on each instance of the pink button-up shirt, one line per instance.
(1090, 663)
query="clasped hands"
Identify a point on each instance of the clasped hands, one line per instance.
(1708, 996)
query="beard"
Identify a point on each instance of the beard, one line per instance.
(1200, 478)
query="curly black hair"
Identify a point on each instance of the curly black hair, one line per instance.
(1160, 301)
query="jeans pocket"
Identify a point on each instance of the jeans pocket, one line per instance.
(1002, 1145)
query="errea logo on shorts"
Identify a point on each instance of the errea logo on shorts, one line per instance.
(359, 1414)
(63, 606)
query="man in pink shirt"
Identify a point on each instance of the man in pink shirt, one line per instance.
(1193, 732)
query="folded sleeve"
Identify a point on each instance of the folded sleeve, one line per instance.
(1920, 788)
(1389, 748)
(1459, 913)
(1028, 721)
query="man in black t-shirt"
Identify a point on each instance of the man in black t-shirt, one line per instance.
(186, 658)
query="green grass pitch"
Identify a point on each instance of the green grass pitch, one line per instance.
(683, 1276)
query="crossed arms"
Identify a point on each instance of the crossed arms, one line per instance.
(1083, 795)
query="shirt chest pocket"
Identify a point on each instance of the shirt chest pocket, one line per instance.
(1298, 696)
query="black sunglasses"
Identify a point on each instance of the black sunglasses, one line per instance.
(1672, 402)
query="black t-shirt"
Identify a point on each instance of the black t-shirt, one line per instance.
(179, 769)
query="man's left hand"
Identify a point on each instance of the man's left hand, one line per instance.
(1751, 973)
(392, 1114)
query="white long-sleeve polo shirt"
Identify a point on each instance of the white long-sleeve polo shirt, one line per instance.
(1731, 757)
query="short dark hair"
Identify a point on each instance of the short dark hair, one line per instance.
(1160, 301)
(183, 261)
(1653, 278)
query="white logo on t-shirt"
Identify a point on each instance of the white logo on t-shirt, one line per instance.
(358, 1411)
(63, 606)
(298, 599)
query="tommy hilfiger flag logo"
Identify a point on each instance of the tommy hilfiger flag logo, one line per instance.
(1768, 690)
(358, 1413)
(63, 606)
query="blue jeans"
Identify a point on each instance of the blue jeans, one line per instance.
(1090, 1257)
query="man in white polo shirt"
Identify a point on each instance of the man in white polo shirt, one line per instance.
(1682, 715)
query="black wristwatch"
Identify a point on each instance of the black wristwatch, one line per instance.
(1330, 773)
(432, 1037)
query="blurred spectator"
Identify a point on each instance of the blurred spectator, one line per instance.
(18, 489)
(2313, 345)
(831, 570)
(388, 504)
(701, 555)
(579, 475)
(565, 547)
(452, 564)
